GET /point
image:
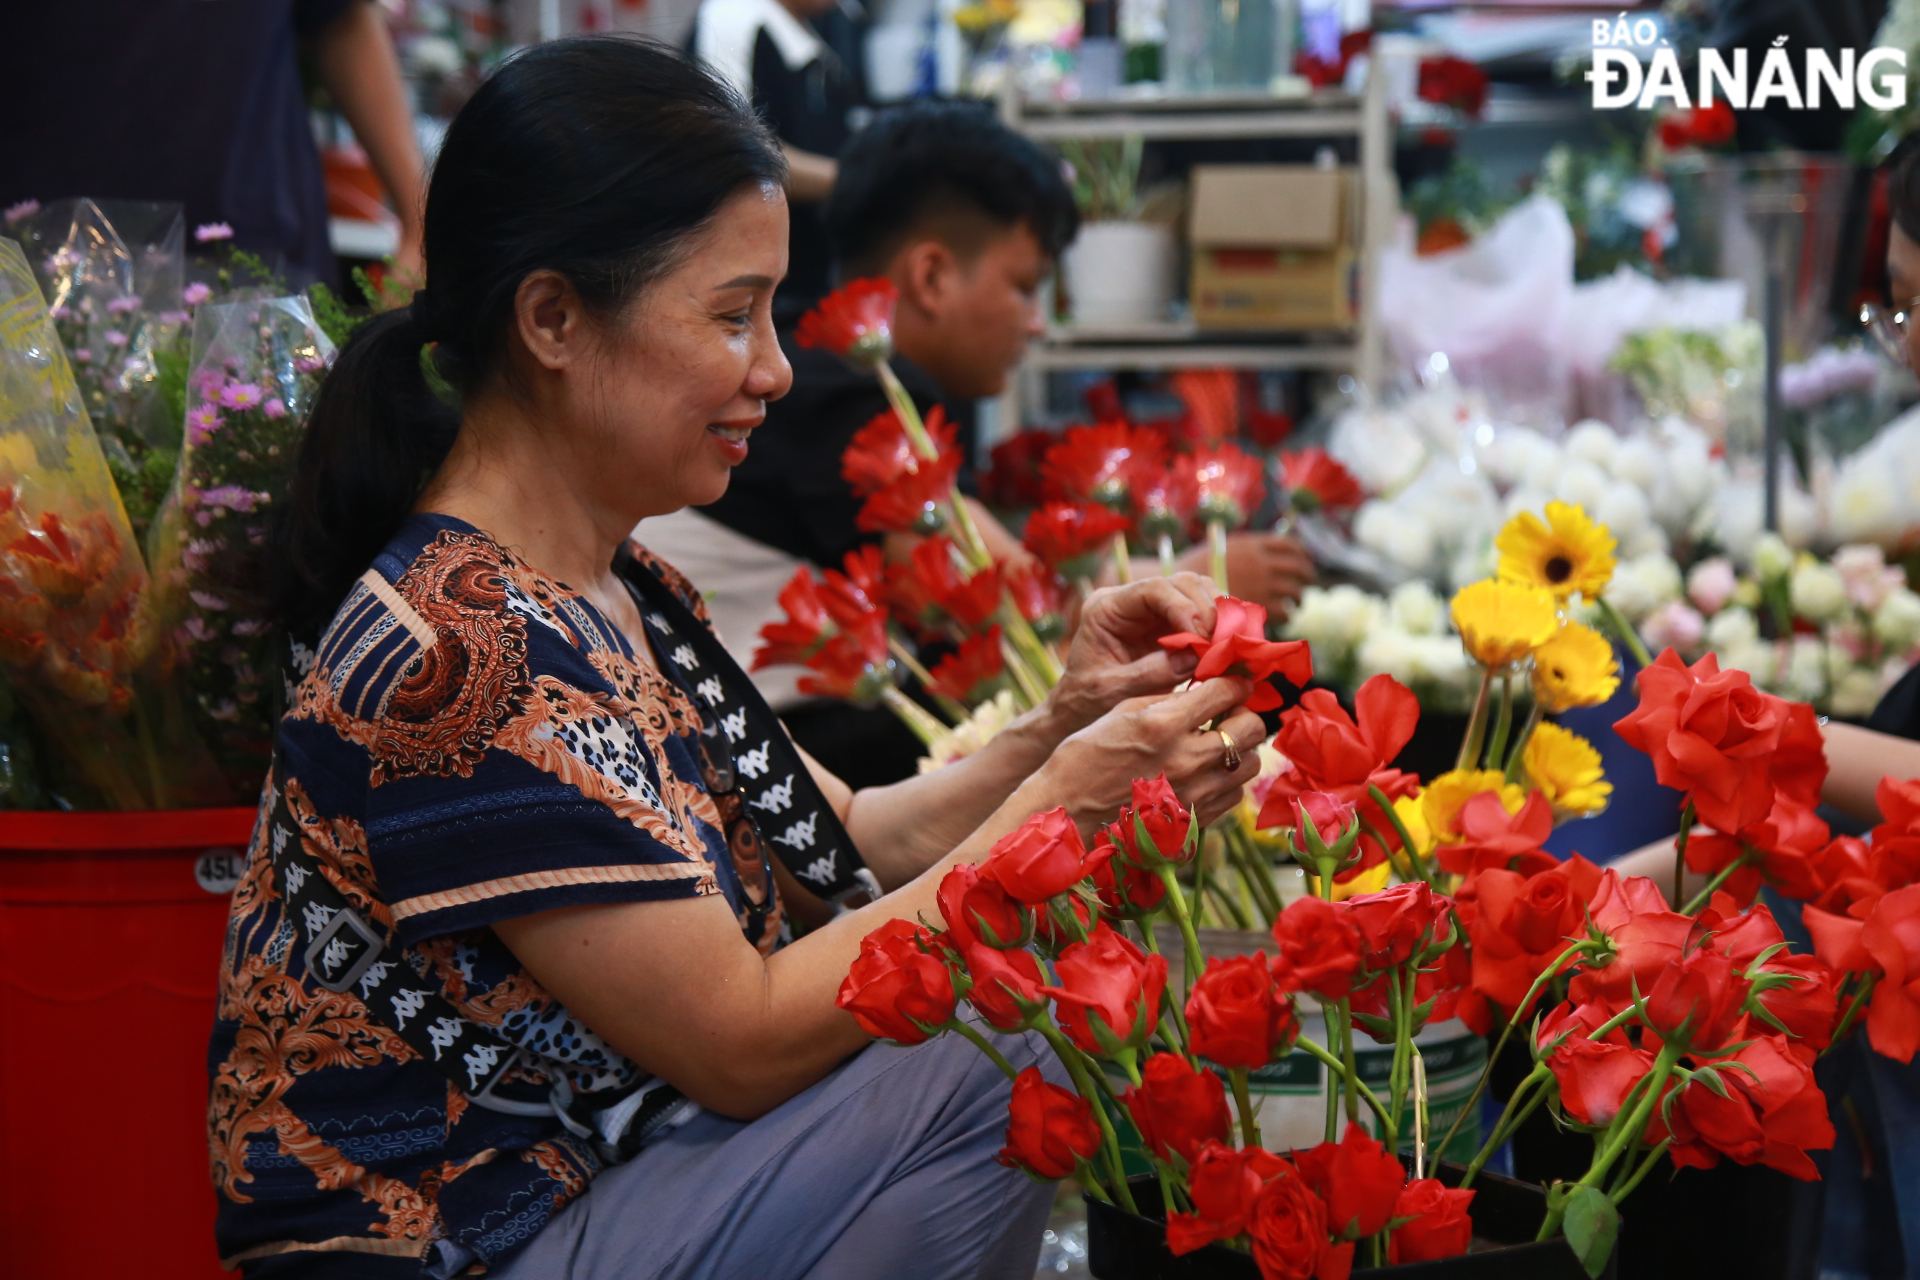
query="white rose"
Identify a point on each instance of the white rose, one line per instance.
(1593, 441)
(1757, 658)
(1732, 628)
(1638, 462)
(1389, 651)
(1444, 661)
(1401, 536)
(1643, 584)
(1624, 509)
(1864, 502)
(1506, 460)
(1806, 677)
(1580, 483)
(1417, 609)
(1543, 469)
(1525, 498)
(1856, 694)
(1771, 556)
(1897, 622)
(1817, 591)
(1333, 620)
(1649, 540)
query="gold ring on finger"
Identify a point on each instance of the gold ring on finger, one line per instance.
(1231, 760)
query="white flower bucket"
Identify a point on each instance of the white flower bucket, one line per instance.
(1120, 273)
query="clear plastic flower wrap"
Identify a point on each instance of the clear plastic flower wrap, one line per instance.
(77, 640)
(255, 367)
(112, 272)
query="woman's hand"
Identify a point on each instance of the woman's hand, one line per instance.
(1092, 771)
(1267, 569)
(1115, 654)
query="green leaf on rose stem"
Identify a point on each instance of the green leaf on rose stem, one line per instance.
(1377, 1027)
(1592, 1224)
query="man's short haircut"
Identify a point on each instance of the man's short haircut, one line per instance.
(935, 168)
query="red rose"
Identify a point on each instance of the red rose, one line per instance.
(1061, 923)
(1323, 818)
(980, 912)
(1790, 838)
(1647, 938)
(1289, 1230)
(1892, 938)
(1043, 857)
(1156, 828)
(899, 987)
(1771, 1113)
(1109, 992)
(1595, 1077)
(1332, 752)
(1494, 838)
(1177, 1108)
(1239, 646)
(1235, 1016)
(1436, 996)
(1397, 924)
(1807, 1006)
(1319, 949)
(1049, 1129)
(1711, 734)
(1697, 1002)
(855, 321)
(1441, 1227)
(1358, 1178)
(1799, 764)
(1124, 888)
(1520, 925)
(1002, 982)
(1223, 1185)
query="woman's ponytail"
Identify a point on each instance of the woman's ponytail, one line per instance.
(376, 434)
(596, 157)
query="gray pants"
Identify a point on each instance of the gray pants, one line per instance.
(884, 1169)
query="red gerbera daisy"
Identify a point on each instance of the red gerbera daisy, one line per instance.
(881, 453)
(799, 634)
(970, 672)
(931, 589)
(1223, 484)
(855, 321)
(853, 666)
(857, 591)
(1314, 480)
(1040, 596)
(1099, 463)
(915, 501)
(1068, 536)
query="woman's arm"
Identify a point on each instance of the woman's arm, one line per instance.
(355, 58)
(675, 987)
(1856, 761)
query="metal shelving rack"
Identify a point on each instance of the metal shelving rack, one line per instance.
(1178, 344)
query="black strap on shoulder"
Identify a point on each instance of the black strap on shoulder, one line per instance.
(786, 807)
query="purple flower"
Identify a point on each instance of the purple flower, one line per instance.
(208, 231)
(82, 355)
(208, 601)
(250, 627)
(196, 293)
(174, 317)
(202, 422)
(25, 209)
(60, 312)
(241, 395)
(120, 306)
(207, 383)
(275, 408)
(231, 497)
(115, 338)
(204, 517)
(197, 629)
(309, 364)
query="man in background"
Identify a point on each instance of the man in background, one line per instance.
(967, 218)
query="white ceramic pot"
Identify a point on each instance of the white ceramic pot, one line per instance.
(1120, 273)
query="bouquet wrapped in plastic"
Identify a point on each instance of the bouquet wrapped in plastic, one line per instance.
(254, 371)
(76, 634)
(112, 272)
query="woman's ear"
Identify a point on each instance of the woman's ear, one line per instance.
(550, 319)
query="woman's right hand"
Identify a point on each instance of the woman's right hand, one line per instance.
(1091, 772)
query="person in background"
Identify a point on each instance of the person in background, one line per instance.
(967, 218)
(798, 63)
(202, 104)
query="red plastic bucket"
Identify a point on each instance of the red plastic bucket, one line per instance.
(110, 933)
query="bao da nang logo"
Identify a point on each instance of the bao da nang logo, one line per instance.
(1634, 67)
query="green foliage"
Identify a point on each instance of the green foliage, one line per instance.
(1461, 194)
(1592, 1225)
(332, 314)
(143, 482)
(1106, 176)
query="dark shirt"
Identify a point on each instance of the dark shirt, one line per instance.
(789, 492)
(1899, 712)
(197, 102)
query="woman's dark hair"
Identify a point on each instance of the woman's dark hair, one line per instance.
(595, 157)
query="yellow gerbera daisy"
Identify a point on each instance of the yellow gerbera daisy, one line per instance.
(1444, 797)
(1576, 668)
(1569, 553)
(1372, 880)
(1502, 622)
(1567, 770)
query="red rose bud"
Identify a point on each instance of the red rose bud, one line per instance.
(1176, 1108)
(1040, 859)
(1795, 995)
(1109, 992)
(854, 322)
(1007, 985)
(1125, 889)
(1697, 1002)
(1362, 1180)
(980, 912)
(1156, 829)
(1235, 1016)
(1324, 829)
(1223, 1185)
(1050, 1130)
(1319, 949)
(1439, 1228)
(1595, 1077)
(1289, 1230)
(1398, 924)
(1062, 922)
(899, 987)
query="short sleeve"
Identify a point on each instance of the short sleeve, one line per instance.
(313, 16)
(516, 757)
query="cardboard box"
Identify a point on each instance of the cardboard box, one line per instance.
(1273, 247)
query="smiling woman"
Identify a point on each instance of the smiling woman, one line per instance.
(512, 980)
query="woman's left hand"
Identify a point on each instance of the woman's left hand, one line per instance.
(1116, 654)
